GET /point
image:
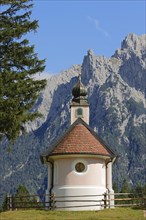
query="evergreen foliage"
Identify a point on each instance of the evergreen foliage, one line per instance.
(3, 207)
(22, 197)
(18, 66)
(115, 188)
(125, 187)
(139, 190)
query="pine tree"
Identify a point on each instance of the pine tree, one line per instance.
(3, 206)
(115, 188)
(22, 197)
(125, 187)
(18, 66)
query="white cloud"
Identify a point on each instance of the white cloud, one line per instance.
(98, 27)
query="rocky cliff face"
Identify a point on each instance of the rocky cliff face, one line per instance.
(116, 88)
(116, 94)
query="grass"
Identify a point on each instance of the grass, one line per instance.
(108, 214)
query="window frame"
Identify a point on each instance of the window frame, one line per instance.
(79, 114)
(75, 162)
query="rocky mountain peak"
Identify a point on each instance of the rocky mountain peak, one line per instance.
(90, 53)
(116, 88)
(134, 42)
(133, 56)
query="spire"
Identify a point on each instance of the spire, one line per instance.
(79, 105)
(79, 93)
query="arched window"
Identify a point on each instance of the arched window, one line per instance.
(79, 112)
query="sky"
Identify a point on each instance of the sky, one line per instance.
(68, 29)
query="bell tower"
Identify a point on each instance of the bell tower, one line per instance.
(79, 105)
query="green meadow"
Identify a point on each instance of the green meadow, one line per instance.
(107, 214)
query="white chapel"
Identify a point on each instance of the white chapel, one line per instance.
(79, 162)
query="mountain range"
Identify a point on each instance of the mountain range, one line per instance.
(116, 95)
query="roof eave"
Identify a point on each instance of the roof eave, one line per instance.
(46, 158)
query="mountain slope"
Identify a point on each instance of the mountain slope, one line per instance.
(116, 94)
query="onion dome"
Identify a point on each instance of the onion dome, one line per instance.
(79, 90)
(79, 93)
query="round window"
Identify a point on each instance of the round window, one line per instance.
(80, 167)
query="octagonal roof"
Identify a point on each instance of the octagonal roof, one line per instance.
(79, 139)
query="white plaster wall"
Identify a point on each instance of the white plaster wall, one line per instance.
(68, 182)
(85, 113)
(75, 196)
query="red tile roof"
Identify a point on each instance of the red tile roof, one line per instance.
(80, 139)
